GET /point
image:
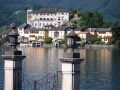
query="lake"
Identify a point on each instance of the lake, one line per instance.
(100, 69)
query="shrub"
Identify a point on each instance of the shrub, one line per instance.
(48, 40)
(110, 41)
(117, 42)
(3, 40)
(83, 44)
(99, 42)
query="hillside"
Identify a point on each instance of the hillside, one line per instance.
(110, 9)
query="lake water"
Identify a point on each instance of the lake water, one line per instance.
(100, 69)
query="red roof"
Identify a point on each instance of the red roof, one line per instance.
(82, 33)
(107, 37)
(47, 25)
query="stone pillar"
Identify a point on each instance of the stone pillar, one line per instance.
(71, 64)
(13, 64)
(71, 71)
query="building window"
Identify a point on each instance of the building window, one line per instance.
(58, 23)
(31, 35)
(56, 34)
(47, 18)
(44, 19)
(20, 28)
(40, 18)
(102, 32)
(39, 37)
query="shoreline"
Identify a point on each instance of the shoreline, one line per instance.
(64, 46)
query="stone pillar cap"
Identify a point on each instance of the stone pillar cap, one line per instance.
(13, 57)
(71, 60)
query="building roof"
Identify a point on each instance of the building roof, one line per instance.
(103, 29)
(36, 29)
(62, 28)
(76, 29)
(6, 32)
(25, 26)
(82, 33)
(98, 29)
(91, 29)
(49, 10)
(107, 37)
(62, 10)
(49, 25)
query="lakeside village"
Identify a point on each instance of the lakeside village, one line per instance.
(49, 25)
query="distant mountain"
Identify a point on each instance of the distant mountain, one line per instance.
(110, 9)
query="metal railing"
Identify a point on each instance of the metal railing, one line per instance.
(49, 82)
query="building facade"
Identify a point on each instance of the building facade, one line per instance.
(103, 33)
(37, 34)
(23, 32)
(42, 17)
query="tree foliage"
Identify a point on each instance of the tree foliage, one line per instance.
(3, 28)
(3, 40)
(48, 40)
(98, 41)
(74, 11)
(115, 29)
(93, 20)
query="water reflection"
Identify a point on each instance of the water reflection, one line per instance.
(100, 69)
(115, 70)
(41, 61)
(96, 70)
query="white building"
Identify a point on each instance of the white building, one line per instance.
(23, 32)
(58, 32)
(42, 17)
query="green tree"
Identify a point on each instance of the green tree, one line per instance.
(97, 19)
(115, 29)
(3, 28)
(93, 20)
(98, 41)
(74, 11)
(48, 40)
(3, 40)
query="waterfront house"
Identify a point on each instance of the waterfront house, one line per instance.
(23, 32)
(37, 34)
(103, 33)
(44, 16)
(5, 33)
(82, 35)
(58, 32)
(77, 30)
